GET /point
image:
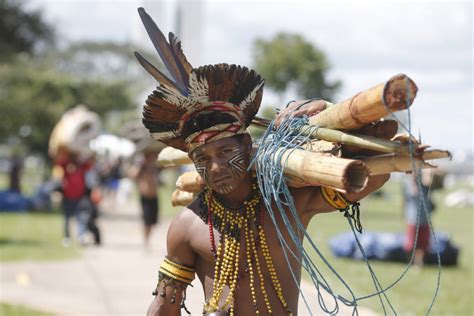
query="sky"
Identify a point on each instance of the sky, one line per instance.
(366, 43)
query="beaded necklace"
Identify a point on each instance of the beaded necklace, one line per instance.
(232, 224)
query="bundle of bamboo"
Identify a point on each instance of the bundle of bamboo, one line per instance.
(339, 134)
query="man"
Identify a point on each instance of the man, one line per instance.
(225, 236)
(146, 176)
(417, 208)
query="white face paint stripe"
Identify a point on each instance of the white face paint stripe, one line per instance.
(236, 164)
(225, 189)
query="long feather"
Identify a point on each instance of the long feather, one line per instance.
(166, 53)
(178, 53)
(152, 70)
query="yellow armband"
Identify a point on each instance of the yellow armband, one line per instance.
(177, 271)
(334, 198)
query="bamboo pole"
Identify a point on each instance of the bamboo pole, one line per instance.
(435, 154)
(362, 141)
(384, 164)
(190, 181)
(182, 198)
(171, 157)
(305, 169)
(313, 169)
(368, 106)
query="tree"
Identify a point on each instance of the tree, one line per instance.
(288, 60)
(22, 31)
(33, 98)
(38, 85)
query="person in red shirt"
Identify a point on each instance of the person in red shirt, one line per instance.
(73, 187)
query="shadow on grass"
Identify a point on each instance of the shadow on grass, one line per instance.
(19, 242)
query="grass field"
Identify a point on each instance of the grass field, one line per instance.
(33, 236)
(20, 310)
(414, 293)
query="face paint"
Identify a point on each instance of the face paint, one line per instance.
(224, 188)
(231, 166)
(202, 170)
(236, 164)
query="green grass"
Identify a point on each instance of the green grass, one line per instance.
(20, 310)
(33, 236)
(414, 293)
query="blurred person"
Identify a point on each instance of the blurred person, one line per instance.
(16, 166)
(146, 176)
(112, 177)
(417, 207)
(88, 206)
(73, 188)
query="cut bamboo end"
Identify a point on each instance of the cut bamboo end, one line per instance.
(399, 92)
(357, 175)
(368, 106)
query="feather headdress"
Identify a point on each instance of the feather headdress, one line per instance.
(231, 90)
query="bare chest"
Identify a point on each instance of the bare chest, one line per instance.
(261, 260)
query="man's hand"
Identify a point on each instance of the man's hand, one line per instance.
(300, 108)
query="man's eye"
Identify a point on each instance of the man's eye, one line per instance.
(201, 160)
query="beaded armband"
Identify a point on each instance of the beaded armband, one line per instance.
(177, 276)
(339, 202)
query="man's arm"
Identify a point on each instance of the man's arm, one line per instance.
(316, 203)
(180, 259)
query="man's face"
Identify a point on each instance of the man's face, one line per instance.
(222, 164)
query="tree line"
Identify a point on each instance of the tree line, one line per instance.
(40, 81)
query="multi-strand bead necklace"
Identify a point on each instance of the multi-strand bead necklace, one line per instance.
(232, 223)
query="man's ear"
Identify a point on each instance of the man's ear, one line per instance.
(190, 155)
(247, 140)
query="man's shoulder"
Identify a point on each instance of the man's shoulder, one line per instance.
(188, 215)
(183, 226)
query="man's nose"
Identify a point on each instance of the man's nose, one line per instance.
(216, 166)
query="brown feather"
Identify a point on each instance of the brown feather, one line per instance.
(166, 53)
(178, 52)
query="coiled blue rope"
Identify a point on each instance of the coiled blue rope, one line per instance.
(275, 192)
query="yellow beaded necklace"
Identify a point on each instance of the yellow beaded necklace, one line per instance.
(231, 223)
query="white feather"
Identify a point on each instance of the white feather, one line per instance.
(198, 89)
(250, 97)
(163, 136)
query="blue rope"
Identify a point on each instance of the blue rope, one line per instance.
(269, 161)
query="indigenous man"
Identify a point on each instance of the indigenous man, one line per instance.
(225, 236)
